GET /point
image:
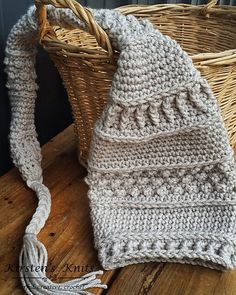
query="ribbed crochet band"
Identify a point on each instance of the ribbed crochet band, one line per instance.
(161, 247)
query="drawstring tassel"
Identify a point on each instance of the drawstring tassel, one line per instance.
(34, 254)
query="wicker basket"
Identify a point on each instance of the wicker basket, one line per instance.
(86, 61)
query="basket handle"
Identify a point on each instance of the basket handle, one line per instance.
(82, 13)
(207, 8)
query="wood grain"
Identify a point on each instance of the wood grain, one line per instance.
(136, 279)
(69, 239)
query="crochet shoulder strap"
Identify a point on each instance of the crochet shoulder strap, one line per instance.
(26, 153)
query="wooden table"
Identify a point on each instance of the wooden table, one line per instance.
(69, 239)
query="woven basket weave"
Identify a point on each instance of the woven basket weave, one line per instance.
(86, 61)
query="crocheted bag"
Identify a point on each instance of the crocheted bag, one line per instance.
(161, 172)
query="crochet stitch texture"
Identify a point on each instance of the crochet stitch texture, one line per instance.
(161, 173)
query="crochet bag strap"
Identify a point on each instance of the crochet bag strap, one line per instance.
(82, 13)
(26, 152)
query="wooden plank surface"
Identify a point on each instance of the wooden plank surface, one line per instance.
(68, 231)
(173, 279)
(69, 239)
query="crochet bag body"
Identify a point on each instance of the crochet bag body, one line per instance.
(161, 172)
(86, 60)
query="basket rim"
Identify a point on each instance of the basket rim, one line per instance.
(219, 9)
(226, 57)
